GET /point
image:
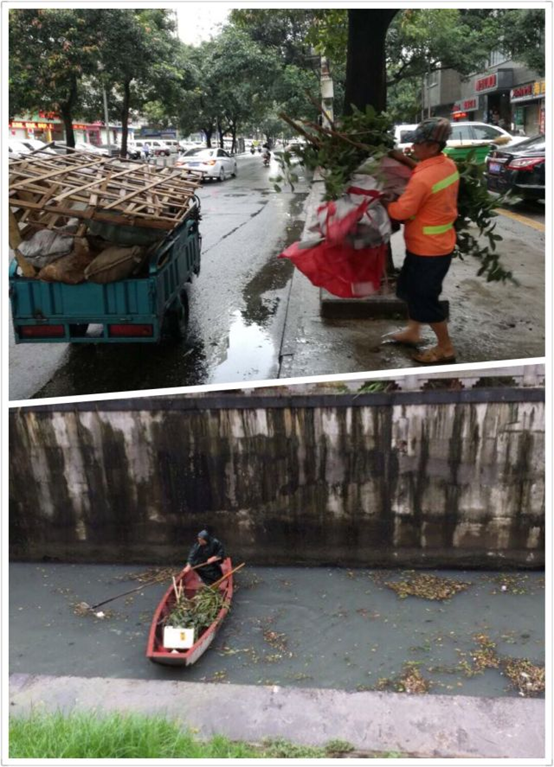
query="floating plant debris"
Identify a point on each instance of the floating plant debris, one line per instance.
(277, 640)
(515, 583)
(525, 676)
(152, 575)
(410, 681)
(427, 587)
(82, 609)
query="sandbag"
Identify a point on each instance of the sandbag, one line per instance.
(115, 263)
(45, 246)
(69, 269)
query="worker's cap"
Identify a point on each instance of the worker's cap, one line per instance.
(204, 534)
(434, 129)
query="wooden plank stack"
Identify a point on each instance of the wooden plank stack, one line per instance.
(47, 189)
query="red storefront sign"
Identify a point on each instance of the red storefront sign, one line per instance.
(488, 83)
(528, 92)
(30, 125)
(469, 105)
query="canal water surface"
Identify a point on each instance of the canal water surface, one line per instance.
(304, 627)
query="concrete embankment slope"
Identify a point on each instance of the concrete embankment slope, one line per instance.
(434, 726)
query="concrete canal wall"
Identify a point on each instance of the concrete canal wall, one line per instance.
(438, 478)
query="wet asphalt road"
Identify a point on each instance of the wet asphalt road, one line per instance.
(237, 304)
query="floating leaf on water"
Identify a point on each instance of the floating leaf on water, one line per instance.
(525, 676)
(427, 587)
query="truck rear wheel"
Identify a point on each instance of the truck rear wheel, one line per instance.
(176, 319)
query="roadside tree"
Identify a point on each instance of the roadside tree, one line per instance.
(50, 52)
(139, 60)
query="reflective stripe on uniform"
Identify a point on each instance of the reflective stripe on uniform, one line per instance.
(437, 229)
(448, 181)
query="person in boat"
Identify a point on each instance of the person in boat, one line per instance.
(206, 549)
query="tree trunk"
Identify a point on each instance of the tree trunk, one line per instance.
(66, 109)
(68, 125)
(220, 133)
(125, 116)
(234, 137)
(209, 133)
(366, 81)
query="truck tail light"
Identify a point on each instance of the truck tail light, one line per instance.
(525, 163)
(126, 331)
(41, 331)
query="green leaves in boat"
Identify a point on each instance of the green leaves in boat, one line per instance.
(198, 612)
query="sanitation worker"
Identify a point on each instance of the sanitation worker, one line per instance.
(210, 550)
(428, 210)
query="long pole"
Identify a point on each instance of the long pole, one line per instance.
(106, 118)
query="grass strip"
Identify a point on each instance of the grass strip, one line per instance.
(88, 735)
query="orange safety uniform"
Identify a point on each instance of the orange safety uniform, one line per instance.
(429, 208)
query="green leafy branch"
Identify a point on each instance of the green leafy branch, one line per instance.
(477, 208)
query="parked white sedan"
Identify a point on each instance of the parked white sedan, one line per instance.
(213, 163)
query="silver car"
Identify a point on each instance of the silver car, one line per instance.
(213, 163)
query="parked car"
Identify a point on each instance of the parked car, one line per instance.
(111, 150)
(157, 148)
(519, 169)
(172, 144)
(26, 146)
(403, 135)
(35, 143)
(106, 150)
(214, 163)
(84, 146)
(464, 134)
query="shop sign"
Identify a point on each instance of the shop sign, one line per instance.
(30, 125)
(528, 92)
(469, 105)
(79, 126)
(488, 83)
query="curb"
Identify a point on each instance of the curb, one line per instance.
(447, 726)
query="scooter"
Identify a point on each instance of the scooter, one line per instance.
(267, 158)
(252, 150)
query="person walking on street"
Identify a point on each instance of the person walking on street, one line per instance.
(146, 151)
(428, 210)
(210, 550)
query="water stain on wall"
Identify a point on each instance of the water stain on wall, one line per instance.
(423, 484)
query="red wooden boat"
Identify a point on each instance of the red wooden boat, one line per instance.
(191, 582)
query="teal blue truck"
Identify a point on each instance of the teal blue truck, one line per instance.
(141, 309)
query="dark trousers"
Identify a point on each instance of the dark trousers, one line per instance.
(420, 285)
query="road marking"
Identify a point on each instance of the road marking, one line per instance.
(522, 219)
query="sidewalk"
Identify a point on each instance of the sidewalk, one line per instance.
(488, 321)
(446, 726)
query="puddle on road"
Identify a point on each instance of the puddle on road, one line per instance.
(274, 276)
(251, 353)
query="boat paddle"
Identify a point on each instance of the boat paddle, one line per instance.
(235, 570)
(86, 606)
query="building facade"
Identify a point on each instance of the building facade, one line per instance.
(506, 93)
(49, 127)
